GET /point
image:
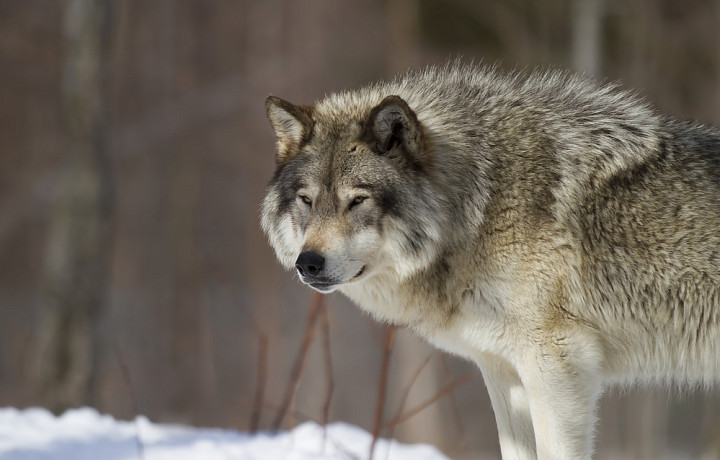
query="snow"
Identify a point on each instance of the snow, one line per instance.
(84, 434)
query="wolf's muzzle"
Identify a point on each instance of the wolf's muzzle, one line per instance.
(310, 264)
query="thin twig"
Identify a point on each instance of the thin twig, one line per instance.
(406, 391)
(453, 403)
(260, 383)
(128, 381)
(382, 387)
(329, 382)
(269, 406)
(443, 391)
(298, 368)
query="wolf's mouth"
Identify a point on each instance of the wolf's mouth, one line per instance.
(357, 275)
(325, 288)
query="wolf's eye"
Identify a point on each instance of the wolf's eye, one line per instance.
(305, 199)
(357, 200)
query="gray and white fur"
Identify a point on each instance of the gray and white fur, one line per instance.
(559, 233)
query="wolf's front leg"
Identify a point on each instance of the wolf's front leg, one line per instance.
(563, 384)
(512, 411)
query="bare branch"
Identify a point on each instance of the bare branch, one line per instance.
(329, 382)
(453, 402)
(298, 368)
(443, 391)
(382, 387)
(408, 387)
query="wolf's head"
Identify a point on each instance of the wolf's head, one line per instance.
(353, 192)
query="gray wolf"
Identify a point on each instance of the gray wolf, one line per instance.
(558, 232)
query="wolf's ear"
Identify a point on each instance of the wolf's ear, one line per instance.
(393, 124)
(292, 125)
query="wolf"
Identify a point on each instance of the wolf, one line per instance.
(558, 232)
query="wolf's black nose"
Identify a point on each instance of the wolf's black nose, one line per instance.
(310, 263)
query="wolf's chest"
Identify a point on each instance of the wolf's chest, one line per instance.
(472, 332)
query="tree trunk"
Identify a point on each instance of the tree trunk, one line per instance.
(78, 244)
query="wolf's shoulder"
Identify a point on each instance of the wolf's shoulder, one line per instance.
(457, 90)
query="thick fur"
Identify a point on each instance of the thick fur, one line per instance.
(557, 232)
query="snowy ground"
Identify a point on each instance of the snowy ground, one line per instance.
(84, 434)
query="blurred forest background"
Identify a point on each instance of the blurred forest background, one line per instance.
(134, 152)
